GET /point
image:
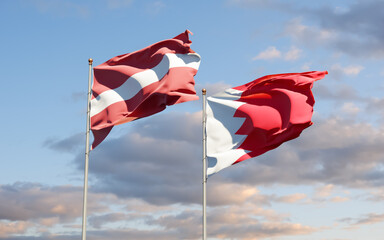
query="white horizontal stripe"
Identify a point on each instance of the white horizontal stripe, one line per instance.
(142, 79)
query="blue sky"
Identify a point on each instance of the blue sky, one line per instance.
(145, 178)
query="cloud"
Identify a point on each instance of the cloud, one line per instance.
(7, 228)
(338, 199)
(293, 198)
(238, 221)
(375, 106)
(221, 193)
(334, 151)
(143, 174)
(353, 31)
(350, 108)
(376, 195)
(154, 8)
(293, 54)
(338, 71)
(235, 222)
(110, 217)
(144, 162)
(324, 191)
(269, 53)
(370, 218)
(33, 209)
(99, 220)
(273, 53)
(35, 201)
(341, 93)
(155, 161)
(311, 36)
(70, 144)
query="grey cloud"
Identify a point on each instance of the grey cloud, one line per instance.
(354, 31)
(340, 92)
(370, 218)
(360, 18)
(249, 222)
(44, 237)
(32, 201)
(375, 106)
(159, 161)
(161, 165)
(334, 151)
(71, 144)
(176, 126)
(99, 220)
(241, 221)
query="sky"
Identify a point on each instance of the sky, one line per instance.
(145, 179)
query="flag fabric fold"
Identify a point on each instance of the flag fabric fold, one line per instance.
(246, 121)
(142, 83)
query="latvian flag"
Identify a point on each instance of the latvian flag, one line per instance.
(142, 83)
(246, 121)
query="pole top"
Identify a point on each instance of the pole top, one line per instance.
(90, 61)
(204, 91)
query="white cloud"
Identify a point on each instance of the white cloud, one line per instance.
(293, 198)
(306, 66)
(370, 218)
(309, 35)
(230, 193)
(324, 191)
(338, 199)
(350, 108)
(272, 52)
(353, 70)
(337, 71)
(269, 53)
(352, 30)
(293, 54)
(7, 228)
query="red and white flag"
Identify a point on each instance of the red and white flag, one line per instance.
(246, 121)
(142, 83)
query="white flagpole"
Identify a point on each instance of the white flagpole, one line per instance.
(204, 166)
(84, 231)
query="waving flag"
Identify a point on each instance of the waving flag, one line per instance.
(249, 120)
(142, 83)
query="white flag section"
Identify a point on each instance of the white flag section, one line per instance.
(222, 142)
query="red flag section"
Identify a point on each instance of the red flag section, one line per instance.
(249, 120)
(142, 83)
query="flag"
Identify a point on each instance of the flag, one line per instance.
(246, 121)
(142, 83)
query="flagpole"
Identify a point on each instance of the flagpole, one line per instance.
(84, 231)
(204, 91)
